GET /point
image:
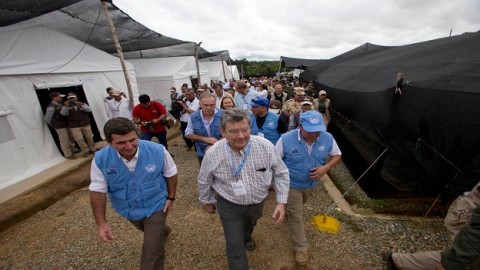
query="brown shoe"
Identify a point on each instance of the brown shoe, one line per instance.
(301, 257)
(167, 231)
(86, 154)
(387, 258)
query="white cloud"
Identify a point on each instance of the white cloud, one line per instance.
(308, 29)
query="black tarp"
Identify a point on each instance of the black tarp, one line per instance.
(432, 129)
(85, 21)
(289, 62)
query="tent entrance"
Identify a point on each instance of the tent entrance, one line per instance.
(44, 99)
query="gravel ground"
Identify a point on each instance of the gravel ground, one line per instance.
(63, 236)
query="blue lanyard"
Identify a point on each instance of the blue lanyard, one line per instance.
(237, 171)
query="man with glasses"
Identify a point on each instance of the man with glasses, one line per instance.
(234, 179)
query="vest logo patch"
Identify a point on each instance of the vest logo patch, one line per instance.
(150, 168)
(321, 148)
(270, 124)
(294, 151)
(110, 171)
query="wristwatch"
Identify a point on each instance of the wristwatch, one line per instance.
(171, 199)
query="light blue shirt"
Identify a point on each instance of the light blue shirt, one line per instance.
(241, 100)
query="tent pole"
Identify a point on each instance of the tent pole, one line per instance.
(280, 68)
(223, 68)
(120, 53)
(196, 63)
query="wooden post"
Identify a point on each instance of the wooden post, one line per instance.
(120, 53)
(196, 63)
(223, 68)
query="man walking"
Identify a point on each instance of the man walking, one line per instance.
(140, 178)
(264, 123)
(190, 104)
(118, 106)
(309, 152)
(243, 95)
(204, 125)
(239, 170)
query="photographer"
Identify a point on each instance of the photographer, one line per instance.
(150, 115)
(190, 104)
(79, 123)
(176, 108)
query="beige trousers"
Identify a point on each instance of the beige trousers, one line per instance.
(417, 261)
(296, 199)
(64, 138)
(82, 134)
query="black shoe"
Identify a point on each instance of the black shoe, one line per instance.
(250, 244)
(167, 231)
(387, 258)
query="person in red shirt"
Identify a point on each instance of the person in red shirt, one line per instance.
(149, 115)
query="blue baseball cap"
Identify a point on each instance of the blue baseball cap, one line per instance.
(312, 121)
(259, 101)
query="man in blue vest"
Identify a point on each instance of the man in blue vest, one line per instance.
(140, 178)
(264, 123)
(203, 126)
(309, 152)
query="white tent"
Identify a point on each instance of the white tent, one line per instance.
(155, 76)
(36, 60)
(217, 70)
(234, 71)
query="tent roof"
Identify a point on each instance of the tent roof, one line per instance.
(178, 67)
(85, 21)
(217, 56)
(289, 62)
(431, 64)
(39, 49)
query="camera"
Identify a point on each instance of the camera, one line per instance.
(149, 125)
(72, 103)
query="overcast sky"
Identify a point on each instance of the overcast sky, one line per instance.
(316, 29)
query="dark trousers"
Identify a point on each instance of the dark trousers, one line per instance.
(183, 126)
(238, 222)
(153, 251)
(161, 136)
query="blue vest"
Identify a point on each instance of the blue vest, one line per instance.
(299, 162)
(199, 129)
(269, 128)
(135, 195)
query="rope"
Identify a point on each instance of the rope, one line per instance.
(417, 146)
(331, 207)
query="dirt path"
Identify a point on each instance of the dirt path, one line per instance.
(63, 235)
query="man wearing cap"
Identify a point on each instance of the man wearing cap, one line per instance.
(149, 114)
(118, 106)
(59, 123)
(305, 105)
(283, 118)
(264, 123)
(243, 95)
(322, 104)
(309, 152)
(79, 123)
(203, 126)
(293, 105)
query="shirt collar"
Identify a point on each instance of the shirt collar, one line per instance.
(135, 157)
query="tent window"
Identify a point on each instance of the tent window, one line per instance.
(6, 132)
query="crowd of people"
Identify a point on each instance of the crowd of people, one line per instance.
(251, 137)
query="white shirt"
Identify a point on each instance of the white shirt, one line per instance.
(99, 184)
(119, 109)
(335, 151)
(192, 105)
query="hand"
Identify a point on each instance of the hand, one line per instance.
(168, 207)
(105, 233)
(278, 213)
(318, 172)
(210, 140)
(210, 208)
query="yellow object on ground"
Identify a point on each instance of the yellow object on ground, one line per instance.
(326, 223)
